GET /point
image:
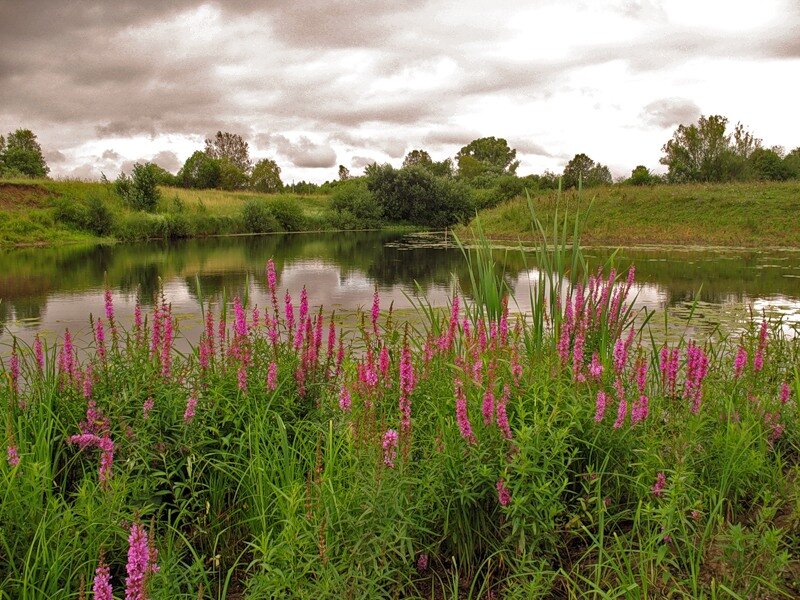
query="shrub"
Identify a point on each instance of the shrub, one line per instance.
(140, 191)
(98, 218)
(257, 217)
(354, 207)
(288, 213)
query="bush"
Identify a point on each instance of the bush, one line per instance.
(354, 207)
(140, 191)
(98, 217)
(258, 217)
(289, 214)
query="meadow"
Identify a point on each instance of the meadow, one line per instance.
(47, 212)
(746, 214)
(563, 455)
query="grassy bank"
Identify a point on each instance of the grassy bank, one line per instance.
(736, 214)
(472, 458)
(44, 212)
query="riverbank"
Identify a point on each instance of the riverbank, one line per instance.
(729, 215)
(49, 213)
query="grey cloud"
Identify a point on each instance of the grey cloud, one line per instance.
(528, 147)
(393, 146)
(304, 153)
(451, 136)
(53, 157)
(85, 171)
(668, 112)
(359, 162)
(167, 160)
(110, 155)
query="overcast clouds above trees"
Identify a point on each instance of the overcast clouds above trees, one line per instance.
(314, 86)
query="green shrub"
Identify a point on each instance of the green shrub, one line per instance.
(354, 207)
(288, 213)
(140, 190)
(98, 218)
(257, 217)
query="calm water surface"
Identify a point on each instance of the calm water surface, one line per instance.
(47, 290)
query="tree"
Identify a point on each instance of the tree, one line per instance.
(582, 169)
(231, 177)
(344, 173)
(699, 152)
(140, 191)
(21, 153)
(200, 171)
(492, 154)
(792, 163)
(767, 165)
(266, 176)
(418, 157)
(231, 146)
(641, 176)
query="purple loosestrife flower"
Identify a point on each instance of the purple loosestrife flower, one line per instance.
(241, 378)
(331, 339)
(462, 416)
(383, 363)
(758, 361)
(272, 376)
(641, 374)
(339, 356)
(503, 493)
(141, 562)
(504, 322)
(87, 383)
(155, 338)
(14, 370)
(239, 319)
(303, 307)
(566, 334)
(137, 320)
(345, 402)
(191, 407)
(407, 384)
(596, 367)
(166, 350)
(106, 445)
(289, 313)
(100, 339)
(640, 410)
(12, 455)
(109, 301)
(600, 406)
(256, 317)
(389, 448)
(481, 335)
(658, 486)
(488, 404)
(422, 562)
(696, 370)
(101, 586)
(38, 352)
(502, 415)
(376, 310)
(785, 393)
(272, 283)
(740, 362)
(147, 407)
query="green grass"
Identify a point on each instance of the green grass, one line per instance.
(49, 212)
(735, 214)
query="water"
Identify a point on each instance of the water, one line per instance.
(48, 290)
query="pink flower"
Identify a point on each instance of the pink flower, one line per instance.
(488, 405)
(109, 306)
(239, 319)
(696, 370)
(503, 493)
(191, 407)
(101, 587)
(640, 410)
(596, 367)
(422, 562)
(785, 393)
(87, 383)
(272, 282)
(38, 352)
(345, 402)
(600, 406)
(502, 415)
(658, 486)
(462, 416)
(622, 412)
(389, 448)
(383, 363)
(641, 374)
(14, 369)
(758, 361)
(137, 318)
(740, 362)
(147, 407)
(376, 310)
(289, 312)
(141, 562)
(106, 444)
(12, 456)
(407, 384)
(272, 376)
(241, 378)
(303, 305)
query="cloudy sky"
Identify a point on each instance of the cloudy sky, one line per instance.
(318, 84)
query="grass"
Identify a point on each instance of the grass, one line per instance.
(49, 212)
(734, 214)
(260, 464)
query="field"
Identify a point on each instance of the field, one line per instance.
(732, 214)
(46, 212)
(475, 456)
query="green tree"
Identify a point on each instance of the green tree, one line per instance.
(21, 153)
(232, 147)
(140, 191)
(418, 157)
(231, 177)
(200, 171)
(767, 165)
(492, 154)
(354, 207)
(582, 169)
(344, 173)
(266, 176)
(700, 152)
(641, 175)
(792, 163)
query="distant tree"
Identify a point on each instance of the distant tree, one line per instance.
(344, 173)
(21, 153)
(767, 165)
(163, 177)
(492, 154)
(418, 157)
(582, 169)
(232, 147)
(641, 175)
(442, 168)
(792, 163)
(266, 176)
(140, 190)
(231, 177)
(200, 171)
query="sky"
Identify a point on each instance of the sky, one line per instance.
(314, 85)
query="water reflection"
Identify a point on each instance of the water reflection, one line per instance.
(48, 290)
